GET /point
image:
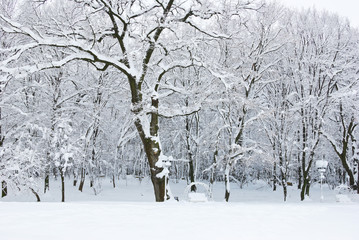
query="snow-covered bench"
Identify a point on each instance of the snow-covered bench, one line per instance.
(197, 196)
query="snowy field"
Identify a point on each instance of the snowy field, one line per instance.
(128, 212)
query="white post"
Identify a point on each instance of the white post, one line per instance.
(321, 187)
(321, 166)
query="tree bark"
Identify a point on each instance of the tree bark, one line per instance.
(75, 178)
(47, 183)
(113, 181)
(152, 150)
(62, 176)
(82, 180)
(274, 177)
(36, 195)
(226, 182)
(3, 189)
(190, 156)
(305, 188)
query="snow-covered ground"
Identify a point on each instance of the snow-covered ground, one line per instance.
(128, 212)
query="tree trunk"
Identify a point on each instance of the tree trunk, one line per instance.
(213, 171)
(113, 181)
(305, 188)
(227, 183)
(189, 152)
(275, 177)
(62, 176)
(343, 159)
(47, 183)
(3, 189)
(36, 195)
(151, 145)
(75, 178)
(91, 182)
(284, 184)
(150, 142)
(82, 180)
(285, 191)
(299, 177)
(191, 175)
(152, 149)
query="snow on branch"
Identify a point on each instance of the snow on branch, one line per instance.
(23, 71)
(82, 52)
(184, 111)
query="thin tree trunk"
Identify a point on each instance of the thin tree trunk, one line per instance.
(343, 158)
(62, 176)
(91, 181)
(285, 190)
(299, 177)
(274, 177)
(82, 180)
(47, 183)
(75, 178)
(113, 181)
(36, 195)
(191, 172)
(226, 182)
(213, 171)
(305, 188)
(3, 189)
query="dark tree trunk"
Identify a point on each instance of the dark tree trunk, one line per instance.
(62, 176)
(299, 178)
(189, 152)
(213, 170)
(36, 195)
(153, 151)
(75, 179)
(226, 182)
(305, 188)
(285, 190)
(47, 183)
(274, 177)
(158, 186)
(113, 181)
(348, 170)
(284, 183)
(227, 192)
(191, 175)
(3, 189)
(82, 180)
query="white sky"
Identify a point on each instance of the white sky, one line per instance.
(345, 8)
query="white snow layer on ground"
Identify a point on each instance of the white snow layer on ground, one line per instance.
(128, 213)
(212, 220)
